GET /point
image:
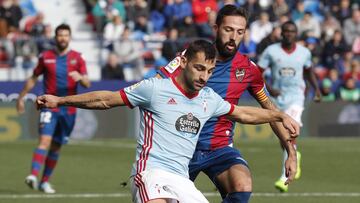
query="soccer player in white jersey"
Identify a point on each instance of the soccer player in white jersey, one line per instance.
(173, 112)
(289, 62)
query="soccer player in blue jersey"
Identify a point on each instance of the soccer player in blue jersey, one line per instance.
(63, 70)
(173, 112)
(289, 63)
(234, 74)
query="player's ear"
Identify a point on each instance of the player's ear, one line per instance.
(183, 61)
(215, 28)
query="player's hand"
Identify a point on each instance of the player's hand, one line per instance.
(76, 76)
(291, 125)
(47, 101)
(317, 97)
(290, 166)
(274, 92)
(20, 106)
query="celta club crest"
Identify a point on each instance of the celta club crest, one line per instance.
(240, 74)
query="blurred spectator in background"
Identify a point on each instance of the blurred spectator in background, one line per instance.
(26, 53)
(201, 10)
(176, 11)
(343, 65)
(138, 14)
(333, 49)
(113, 31)
(188, 29)
(161, 62)
(349, 91)
(336, 82)
(112, 69)
(354, 71)
(7, 53)
(314, 47)
(277, 9)
(329, 26)
(271, 38)
(352, 27)
(298, 12)
(28, 8)
(46, 40)
(104, 10)
(327, 94)
(10, 11)
(260, 28)
(248, 46)
(171, 46)
(308, 26)
(37, 26)
(253, 7)
(343, 11)
(129, 53)
(157, 18)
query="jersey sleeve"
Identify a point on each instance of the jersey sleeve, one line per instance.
(265, 59)
(222, 107)
(139, 94)
(257, 86)
(82, 65)
(39, 69)
(172, 69)
(308, 62)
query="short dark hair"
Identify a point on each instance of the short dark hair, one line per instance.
(231, 10)
(290, 22)
(201, 45)
(62, 27)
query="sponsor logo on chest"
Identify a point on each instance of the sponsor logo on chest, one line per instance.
(188, 124)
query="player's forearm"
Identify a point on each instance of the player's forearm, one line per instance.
(85, 82)
(253, 115)
(310, 76)
(92, 100)
(29, 85)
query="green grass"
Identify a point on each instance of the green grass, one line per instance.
(98, 167)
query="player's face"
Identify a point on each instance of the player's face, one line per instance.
(62, 39)
(229, 34)
(198, 71)
(289, 34)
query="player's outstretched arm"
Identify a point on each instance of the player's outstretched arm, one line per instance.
(29, 85)
(310, 76)
(254, 115)
(91, 100)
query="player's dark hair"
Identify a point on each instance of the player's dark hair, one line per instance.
(62, 27)
(231, 10)
(290, 22)
(201, 45)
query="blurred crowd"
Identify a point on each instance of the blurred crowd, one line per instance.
(139, 36)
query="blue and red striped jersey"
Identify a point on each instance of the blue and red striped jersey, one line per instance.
(230, 79)
(56, 69)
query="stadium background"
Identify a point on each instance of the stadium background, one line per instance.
(98, 158)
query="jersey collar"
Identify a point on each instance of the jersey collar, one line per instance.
(187, 94)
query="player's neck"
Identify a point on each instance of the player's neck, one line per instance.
(62, 52)
(181, 83)
(289, 48)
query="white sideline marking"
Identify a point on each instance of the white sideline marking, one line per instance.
(208, 194)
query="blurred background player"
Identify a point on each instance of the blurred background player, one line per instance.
(234, 73)
(173, 111)
(63, 70)
(289, 63)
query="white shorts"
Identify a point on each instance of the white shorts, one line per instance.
(159, 184)
(295, 112)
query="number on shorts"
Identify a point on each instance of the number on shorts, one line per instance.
(45, 117)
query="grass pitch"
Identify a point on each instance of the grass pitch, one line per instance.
(93, 171)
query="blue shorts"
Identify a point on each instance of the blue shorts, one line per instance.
(58, 125)
(214, 162)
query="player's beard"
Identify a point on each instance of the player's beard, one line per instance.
(221, 47)
(61, 46)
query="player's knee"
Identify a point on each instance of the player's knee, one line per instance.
(243, 185)
(44, 142)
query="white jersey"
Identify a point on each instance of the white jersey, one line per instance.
(171, 121)
(287, 72)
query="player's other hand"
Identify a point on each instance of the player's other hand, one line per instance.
(291, 125)
(47, 101)
(317, 97)
(20, 106)
(76, 76)
(274, 92)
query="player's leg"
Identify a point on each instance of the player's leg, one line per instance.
(231, 175)
(47, 125)
(294, 111)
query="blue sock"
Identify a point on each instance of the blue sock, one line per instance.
(237, 197)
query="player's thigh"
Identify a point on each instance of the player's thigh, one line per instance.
(47, 125)
(64, 128)
(158, 184)
(295, 112)
(235, 179)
